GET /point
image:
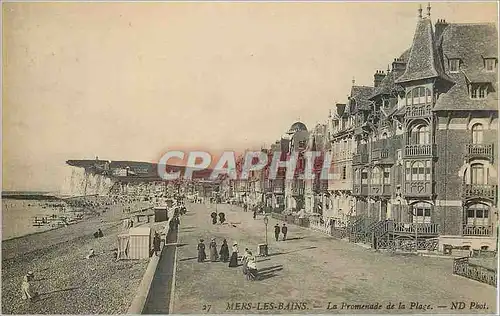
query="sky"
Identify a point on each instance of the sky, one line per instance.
(128, 81)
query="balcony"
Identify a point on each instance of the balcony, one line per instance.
(380, 189)
(427, 229)
(360, 189)
(477, 230)
(359, 159)
(342, 155)
(416, 112)
(420, 150)
(422, 188)
(387, 156)
(340, 185)
(484, 151)
(470, 191)
(298, 188)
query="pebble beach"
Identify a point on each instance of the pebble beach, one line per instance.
(66, 281)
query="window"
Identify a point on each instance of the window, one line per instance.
(477, 174)
(477, 133)
(454, 65)
(478, 90)
(421, 213)
(357, 176)
(376, 176)
(383, 136)
(420, 135)
(490, 64)
(364, 176)
(420, 95)
(418, 171)
(387, 175)
(478, 215)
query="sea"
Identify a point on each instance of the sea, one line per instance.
(17, 216)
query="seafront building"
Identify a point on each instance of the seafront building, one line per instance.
(414, 155)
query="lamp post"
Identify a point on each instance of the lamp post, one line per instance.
(266, 221)
(416, 227)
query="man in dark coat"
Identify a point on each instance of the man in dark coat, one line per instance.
(222, 217)
(277, 231)
(254, 213)
(156, 243)
(284, 230)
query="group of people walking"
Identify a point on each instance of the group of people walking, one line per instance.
(283, 230)
(222, 217)
(248, 259)
(215, 254)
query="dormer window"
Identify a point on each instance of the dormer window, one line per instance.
(490, 64)
(454, 65)
(478, 90)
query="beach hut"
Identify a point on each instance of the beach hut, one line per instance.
(140, 243)
(161, 213)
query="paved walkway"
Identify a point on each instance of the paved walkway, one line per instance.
(311, 271)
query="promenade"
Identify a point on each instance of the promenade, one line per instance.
(311, 271)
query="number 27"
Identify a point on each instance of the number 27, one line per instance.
(206, 308)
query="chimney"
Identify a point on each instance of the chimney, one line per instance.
(378, 77)
(398, 64)
(439, 28)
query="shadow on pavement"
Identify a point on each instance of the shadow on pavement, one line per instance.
(292, 251)
(187, 259)
(266, 269)
(267, 274)
(42, 296)
(294, 238)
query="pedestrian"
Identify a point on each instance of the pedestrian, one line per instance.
(26, 290)
(222, 217)
(284, 230)
(252, 267)
(99, 232)
(156, 243)
(213, 250)
(254, 213)
(201, 251)
(233, 262)
(214, 217)
(244, 261)
(277, 231)
(224, 251)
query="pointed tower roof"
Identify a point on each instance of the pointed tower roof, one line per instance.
(424, 61)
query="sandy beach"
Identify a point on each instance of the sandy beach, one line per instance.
(66, 281)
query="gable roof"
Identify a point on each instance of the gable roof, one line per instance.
(471, 43)
(424, 61)
(361, 95)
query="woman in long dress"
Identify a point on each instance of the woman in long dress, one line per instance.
(201, 251)
(224, 251)
(213, 251)
(233, 262)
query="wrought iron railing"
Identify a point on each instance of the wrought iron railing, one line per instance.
(479, 150)
(479, 191)
(462, 267)
(477, 230)
(420, 150)
(420, 111)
